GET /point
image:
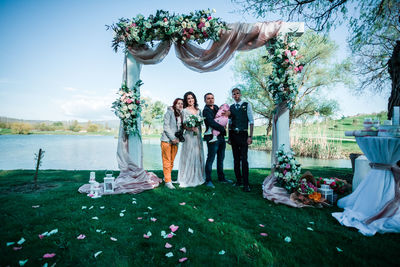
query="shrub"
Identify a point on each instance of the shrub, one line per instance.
(21, 128)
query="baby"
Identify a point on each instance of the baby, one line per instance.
(221, 120)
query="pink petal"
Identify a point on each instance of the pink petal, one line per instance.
(168, 245)
(182, 259)
(49, 255)
(170, 235)
(113, 239)
(41, 236)
(210, 220)
(183, 250)
(81, 236)
(17, 248)
(153, 219)
(139, 218)
(183, 203)
(263, 234)
(261, 225)
(173, 228)
(146, 236)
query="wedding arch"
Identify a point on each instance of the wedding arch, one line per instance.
(147, 41)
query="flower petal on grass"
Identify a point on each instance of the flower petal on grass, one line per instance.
(36, 206)
(102, 207)
(163, 234)
(103, 232)
(190, 230)
(311, 222)
(91, 207)
(10, 243)
(182, 203)
(310, 229)
(49, 255)
(170, 235)
(150, 208)
(134, 202)
(288, 239)
(41, 236)
(113, 239)
(121, 214)
(81, 236)
(183, 250)
(222, 252)
(339, 250)
(261, 225)
(54, 231)
(97, 253)
(84, 207)
(98, 230)
(22, 263)
(173, 228)
(123, 210)
(263, 234)
(168, 245)
(139, 218)
(169, 254)
(211, 220)
(95, 218)
(182, 259)
(17, 248)
(153, 219)
(21, 241)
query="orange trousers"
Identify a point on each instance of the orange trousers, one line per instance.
(168, 153)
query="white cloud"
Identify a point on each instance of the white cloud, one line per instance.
(87, 107)
(71, 89)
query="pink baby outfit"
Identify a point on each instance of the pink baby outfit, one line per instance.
(221, 119)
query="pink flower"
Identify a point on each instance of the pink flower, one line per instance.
(287, 53)
(287, 166)
(133, 24)
(137, 102)
(49, 255)
(296, 69)
(287, 60)
(182, 259)
(191, 30)
(263, 234)
(300, 68)
(165, 19)
(284, 172)
(294, 52)
(128, 101)
(201, 25)
(209, 18)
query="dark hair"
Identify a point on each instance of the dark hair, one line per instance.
(205, 96)
(185, 97)
(176, 111)
(236, 89)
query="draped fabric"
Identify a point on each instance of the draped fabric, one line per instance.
(239, 37)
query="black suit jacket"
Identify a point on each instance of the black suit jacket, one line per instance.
(209, 115)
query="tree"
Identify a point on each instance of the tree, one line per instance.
(152, 111)
(374, 27)
(75, 127)
(253, 70)
(21, 128)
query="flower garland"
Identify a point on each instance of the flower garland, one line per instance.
(286, 65)
(287, 170)
(128, 107)
(198, 26)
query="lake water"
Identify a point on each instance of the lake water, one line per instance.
(74, 152)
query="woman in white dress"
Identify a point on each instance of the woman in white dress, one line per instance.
(191, 164)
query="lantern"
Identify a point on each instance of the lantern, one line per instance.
(109, 182)
(326, 192)
(96, 190)
(92, 181)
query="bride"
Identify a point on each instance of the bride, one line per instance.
(191, 164)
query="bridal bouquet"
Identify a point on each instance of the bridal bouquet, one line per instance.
(193, 121)
(287, 170)
(127, 107)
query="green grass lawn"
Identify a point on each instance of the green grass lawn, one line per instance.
(235, 229)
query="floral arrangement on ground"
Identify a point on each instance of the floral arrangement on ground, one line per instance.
(198, 26)
(286, 63)
(128, 107)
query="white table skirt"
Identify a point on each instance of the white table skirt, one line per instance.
(375, 191)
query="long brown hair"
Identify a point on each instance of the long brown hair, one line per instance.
(177, 113)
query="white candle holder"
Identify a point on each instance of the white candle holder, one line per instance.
(109, 182)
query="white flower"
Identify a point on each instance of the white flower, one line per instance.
(207, 24)
(127, 115)
(203, 20)
(124, 108)
(213, 10)
(184, 24)
(130, 106)
(203, 29)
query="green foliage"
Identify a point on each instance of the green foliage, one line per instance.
(318, 74)
(44, 127)
(92, 128)
(75, 127)
(152, 111)
(235, 229)
(21, 128)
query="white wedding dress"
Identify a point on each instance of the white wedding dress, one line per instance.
(191, 163)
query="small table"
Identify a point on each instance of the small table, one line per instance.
(375, 191)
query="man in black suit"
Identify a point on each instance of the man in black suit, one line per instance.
(214, 148)
(239, 137)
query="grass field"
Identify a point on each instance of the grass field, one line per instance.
(235, 228)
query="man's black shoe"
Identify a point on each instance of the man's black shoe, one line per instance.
(246, 188)
(237, 184)
(225, 181)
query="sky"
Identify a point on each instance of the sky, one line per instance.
(56, 60)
